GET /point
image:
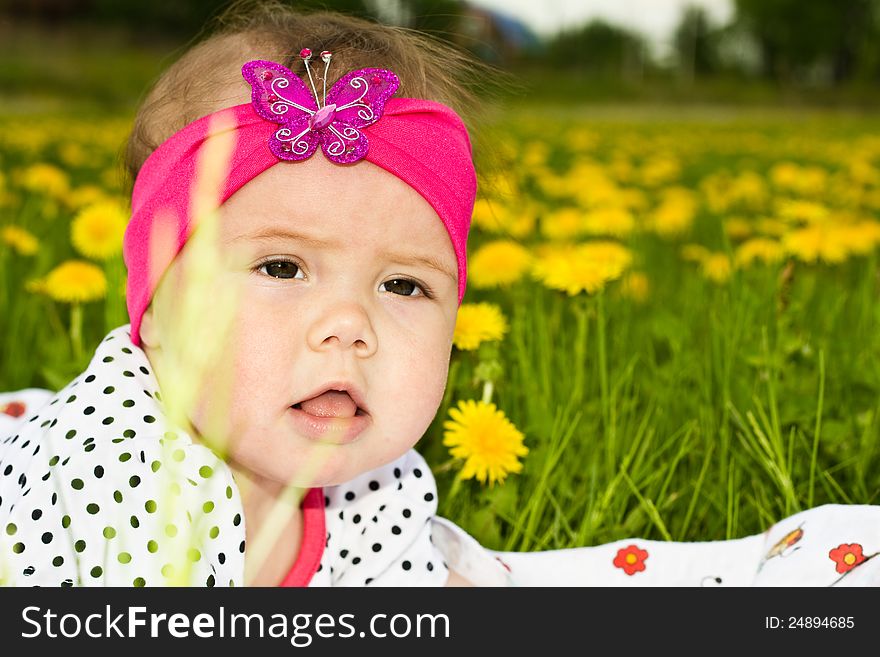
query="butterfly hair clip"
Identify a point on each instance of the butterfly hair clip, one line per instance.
(333, 120)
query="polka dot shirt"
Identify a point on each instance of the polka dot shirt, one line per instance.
(96, 489)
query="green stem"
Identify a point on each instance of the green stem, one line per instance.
(603, 376)
(815, 454)
(580, 347)
(488, 389)
(76, 321)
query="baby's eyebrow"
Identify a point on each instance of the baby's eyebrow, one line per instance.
(276, 234)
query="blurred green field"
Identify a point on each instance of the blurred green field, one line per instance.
(715, 369)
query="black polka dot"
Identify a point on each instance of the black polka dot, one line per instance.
(377, 547)
(395, 530)
(99, 471)
(128, 403)
(374, 485)
(357, 518)
(397, 472)
(407, 513)
(127, 373)
(349, 496)
(343, 553)
(92, 508)
(77, 484)
(107, 421)
(88, 410)
(58, 561)
(134, 481)
(36, 514)
(430, 566)
(429, 497)
(79, 546)
(129, 433)
(417, 473)
(134, 522)
(70, 399)
(109, 390)
(149, 419)
(46, 538)
(90, 378)
(356, 561)
(406, 565)
(368, 580)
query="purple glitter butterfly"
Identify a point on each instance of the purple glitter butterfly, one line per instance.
(355, 101)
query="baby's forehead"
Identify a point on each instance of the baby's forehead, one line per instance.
(318, 204)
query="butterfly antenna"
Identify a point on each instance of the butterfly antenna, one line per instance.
(325, 57)
(306, 55)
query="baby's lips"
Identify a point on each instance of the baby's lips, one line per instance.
(332, 403)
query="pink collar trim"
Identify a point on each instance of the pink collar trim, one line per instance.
(313, 540)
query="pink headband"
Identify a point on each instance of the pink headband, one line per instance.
(422, 142)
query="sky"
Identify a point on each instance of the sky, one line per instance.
(656, 19)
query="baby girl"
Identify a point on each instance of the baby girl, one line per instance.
(339, 213)
(296, 259)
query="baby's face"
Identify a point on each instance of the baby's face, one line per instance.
(334, 287)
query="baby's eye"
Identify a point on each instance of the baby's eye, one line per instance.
(406, 287)
(279, 268)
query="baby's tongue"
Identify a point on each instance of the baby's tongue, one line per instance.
(332, 403)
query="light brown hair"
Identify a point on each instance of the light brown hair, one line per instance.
(207, 77)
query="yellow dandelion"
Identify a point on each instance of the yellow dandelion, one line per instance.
(98, 230)
(477, 323)
(675, 213)
(562, 223)
(481, 435)
(694, 252)
(760, 248)
(498, 263)
(737, 228)
(45, 179)
(75, 281)
(584, 268)
(609, 220)
(816, 242)
(716, 267)
(23, 242)
(85, 195)
(635, 286)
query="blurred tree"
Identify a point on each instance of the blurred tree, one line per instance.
(796, 36)
(598, 48)
(696, 44)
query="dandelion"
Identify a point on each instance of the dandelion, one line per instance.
(737, 228)
(635, 286)
(477, 323)
(21, 241)
(499, 263)
(694, 252)
(816, 242)
(675, 213)
(562, 223)
(584, 268)
(46, 179)
(85, 195)
(75, 282)
(760, 248)
(481, 435)
(98, 230)
(609, 220)
(716, 267)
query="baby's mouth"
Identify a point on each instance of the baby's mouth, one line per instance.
(331, 403)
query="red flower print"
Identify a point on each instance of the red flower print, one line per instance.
(631, 559)
(15, 409)
(847, 556)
